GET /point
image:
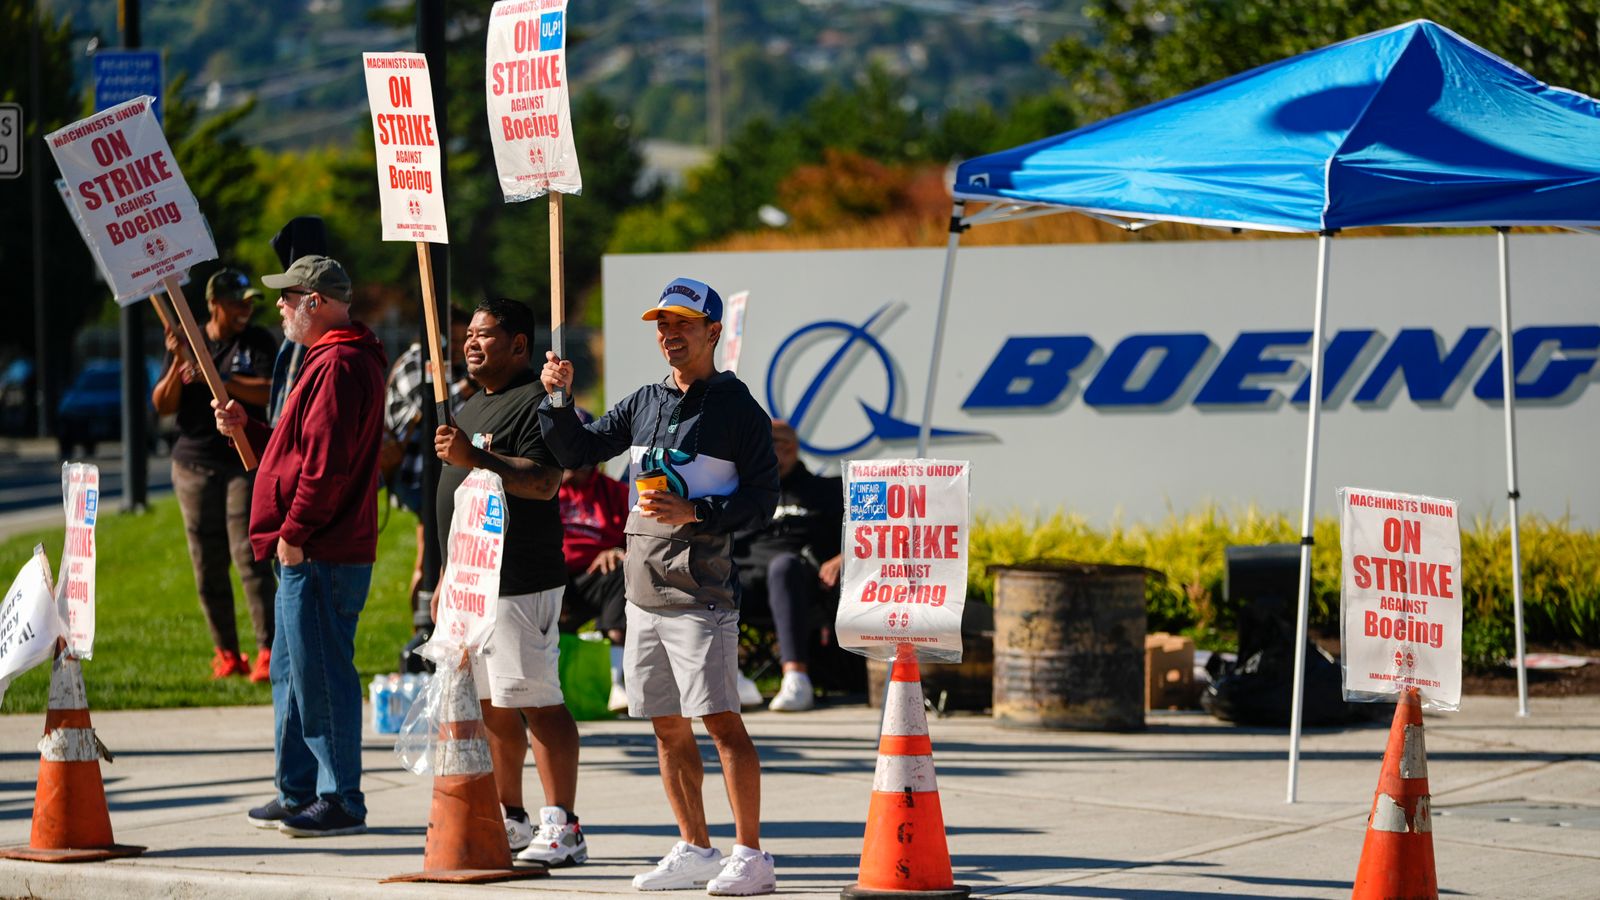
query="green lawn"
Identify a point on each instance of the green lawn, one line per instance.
(152, 648)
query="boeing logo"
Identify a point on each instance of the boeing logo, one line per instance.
(854, 344)
(1161, 371)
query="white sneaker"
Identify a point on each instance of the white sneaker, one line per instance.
(618, 701)
(518, 833)
(749, 694)
(559, 841)
(685, 866)
(744, 875)
(795, 694)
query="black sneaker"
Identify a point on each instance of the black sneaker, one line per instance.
(322, 819)
(270, 815)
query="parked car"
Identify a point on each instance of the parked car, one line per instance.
(16, 398)
(91, 409)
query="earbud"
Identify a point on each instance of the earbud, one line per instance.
(311, 304)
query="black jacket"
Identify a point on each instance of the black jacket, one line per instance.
(715, 445)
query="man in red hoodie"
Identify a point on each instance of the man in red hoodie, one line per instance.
(315, 513)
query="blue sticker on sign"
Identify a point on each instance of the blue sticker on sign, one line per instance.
(494, 516)
(866, 501)
(551, 29)
(91, 502)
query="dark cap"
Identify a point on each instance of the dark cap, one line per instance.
(319, 273)
(228, 284)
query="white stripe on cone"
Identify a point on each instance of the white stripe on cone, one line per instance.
(1413, 754)
(69, 745)
(898, 774)
(66, 685)
(1390, 816)
(462, 757)
(902, 710)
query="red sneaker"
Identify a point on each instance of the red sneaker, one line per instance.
(228, 662)
(262, 670)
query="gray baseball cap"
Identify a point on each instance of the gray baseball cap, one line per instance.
(320, 273)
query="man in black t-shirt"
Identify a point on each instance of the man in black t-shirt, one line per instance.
(790, 561)
(212, 487)
(518, 673)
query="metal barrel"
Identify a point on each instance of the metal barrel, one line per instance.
(1069, 646)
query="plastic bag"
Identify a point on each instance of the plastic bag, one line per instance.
(443, 699)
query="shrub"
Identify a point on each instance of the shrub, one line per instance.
(1560, 569)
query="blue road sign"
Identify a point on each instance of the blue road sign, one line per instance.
(121, 75)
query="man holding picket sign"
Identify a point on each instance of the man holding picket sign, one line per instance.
(315, 511)
(518, 673)
(703, 469)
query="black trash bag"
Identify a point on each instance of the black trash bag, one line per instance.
(1260, 689)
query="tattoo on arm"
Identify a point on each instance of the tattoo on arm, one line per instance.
(523, 477)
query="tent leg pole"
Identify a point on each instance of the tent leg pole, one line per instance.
(1508, 382)
(956, 227)
(1307, 515)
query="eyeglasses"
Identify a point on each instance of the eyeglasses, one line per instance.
(285, 295)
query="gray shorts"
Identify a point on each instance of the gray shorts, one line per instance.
(520, 667)
(681, 662)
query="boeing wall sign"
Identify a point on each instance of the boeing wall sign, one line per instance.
(1131, 382)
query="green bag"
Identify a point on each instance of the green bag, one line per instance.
(586, 677)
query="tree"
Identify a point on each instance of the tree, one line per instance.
(1142, 51)
(72, 294)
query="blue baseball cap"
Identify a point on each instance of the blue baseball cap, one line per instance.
(687, 297)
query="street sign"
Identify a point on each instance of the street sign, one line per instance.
(10, 140)
(121, 75)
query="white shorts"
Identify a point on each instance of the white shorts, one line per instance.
(520, 667)
(681, 662)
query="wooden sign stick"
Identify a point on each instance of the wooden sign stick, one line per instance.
(158, 302)
(558, 341)
(430, 315)
(202, 358)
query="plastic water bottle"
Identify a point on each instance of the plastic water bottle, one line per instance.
(378, 691)
(395, 714)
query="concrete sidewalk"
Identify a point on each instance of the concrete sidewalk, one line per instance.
(1191, 807)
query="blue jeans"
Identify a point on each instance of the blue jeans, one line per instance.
(316, 693)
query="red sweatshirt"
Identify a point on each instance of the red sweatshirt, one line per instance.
(593, 516)
(317, 486)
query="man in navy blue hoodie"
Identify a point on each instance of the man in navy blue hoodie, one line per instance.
(704, 468)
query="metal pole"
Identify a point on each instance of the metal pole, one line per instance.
(714, 74)
(135, 392)
(41, 376)
(431, 42)
(951, 246)
(1307, 514)
(1508, 381)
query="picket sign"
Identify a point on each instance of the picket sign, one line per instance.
(80, 490)
(733, 330)
(143, 226)
(1400, 603)
(130, 199)
(530, 126)
(469, 592)
(905, 557)
(29, 621)
(410, 178)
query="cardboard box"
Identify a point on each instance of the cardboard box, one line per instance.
(1169, 671)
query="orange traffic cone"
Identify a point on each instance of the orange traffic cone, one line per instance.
(466, 833)
(1397, 856)
(905, 854)
(70, 819)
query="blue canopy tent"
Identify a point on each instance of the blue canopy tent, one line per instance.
(1411, 126)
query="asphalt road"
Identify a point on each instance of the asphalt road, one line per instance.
(30, 476)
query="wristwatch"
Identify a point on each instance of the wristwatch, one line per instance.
(701, 507)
